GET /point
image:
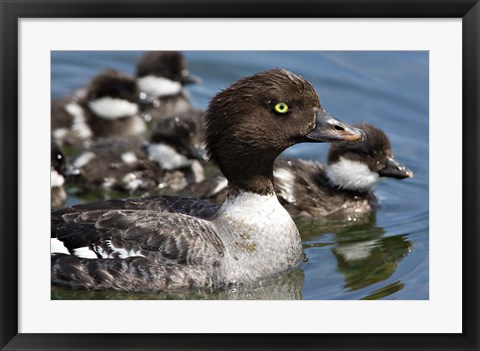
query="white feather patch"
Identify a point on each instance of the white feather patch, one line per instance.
(137, 126)
(56, 179)
(60, 133)
(129, 158)
(122, 253)
(198, 171)
(84, 159)
(131, 181)
(254, 208)
(352, 175)
(84, 252)
(159, 86)
(286, 182)
(167, 157)
(112, 108)
(222, 184)
(56, 246)
(79, 125)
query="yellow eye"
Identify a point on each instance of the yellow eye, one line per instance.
(281, 107)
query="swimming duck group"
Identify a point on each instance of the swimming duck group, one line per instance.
(141, 134)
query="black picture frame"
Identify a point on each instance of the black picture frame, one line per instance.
(12, 11)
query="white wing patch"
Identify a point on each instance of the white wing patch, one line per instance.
(56, 246)
(116, 251)
(84, 252)
(352, 175)
(158, 86)
(112, 108)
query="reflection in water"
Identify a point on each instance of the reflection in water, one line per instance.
(287, 286)
(364, 255)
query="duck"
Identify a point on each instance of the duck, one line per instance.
(167, 243)
(106, 107)
(161, 77)
(129, 164)
(340, 190)
(58, 168)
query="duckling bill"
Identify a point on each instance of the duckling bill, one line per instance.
(171, 243)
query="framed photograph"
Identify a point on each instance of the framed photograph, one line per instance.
(394, 266)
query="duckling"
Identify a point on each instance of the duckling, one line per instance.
(344, 187)
(57, 176)
(161, 76)
(107, 107)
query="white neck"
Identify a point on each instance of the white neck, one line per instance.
(248, 207)
(112, 108)
(158, 86)
(352, 175)
(167, 157)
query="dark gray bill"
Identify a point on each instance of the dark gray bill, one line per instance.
(188, 78)
(395, 169)
(328, 129)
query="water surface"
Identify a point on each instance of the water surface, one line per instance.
(384, 255)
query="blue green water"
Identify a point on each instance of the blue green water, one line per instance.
(386, 255)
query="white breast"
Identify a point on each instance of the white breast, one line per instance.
(260, 236)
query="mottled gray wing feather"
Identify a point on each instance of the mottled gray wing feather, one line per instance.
(155, 235)
(140, 249)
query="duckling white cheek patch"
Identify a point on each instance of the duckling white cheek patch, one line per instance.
(158, 86)
(56, 179)
(79, 125)
(129, 158)
(111, 108)
(167, 157)
(352, 175)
